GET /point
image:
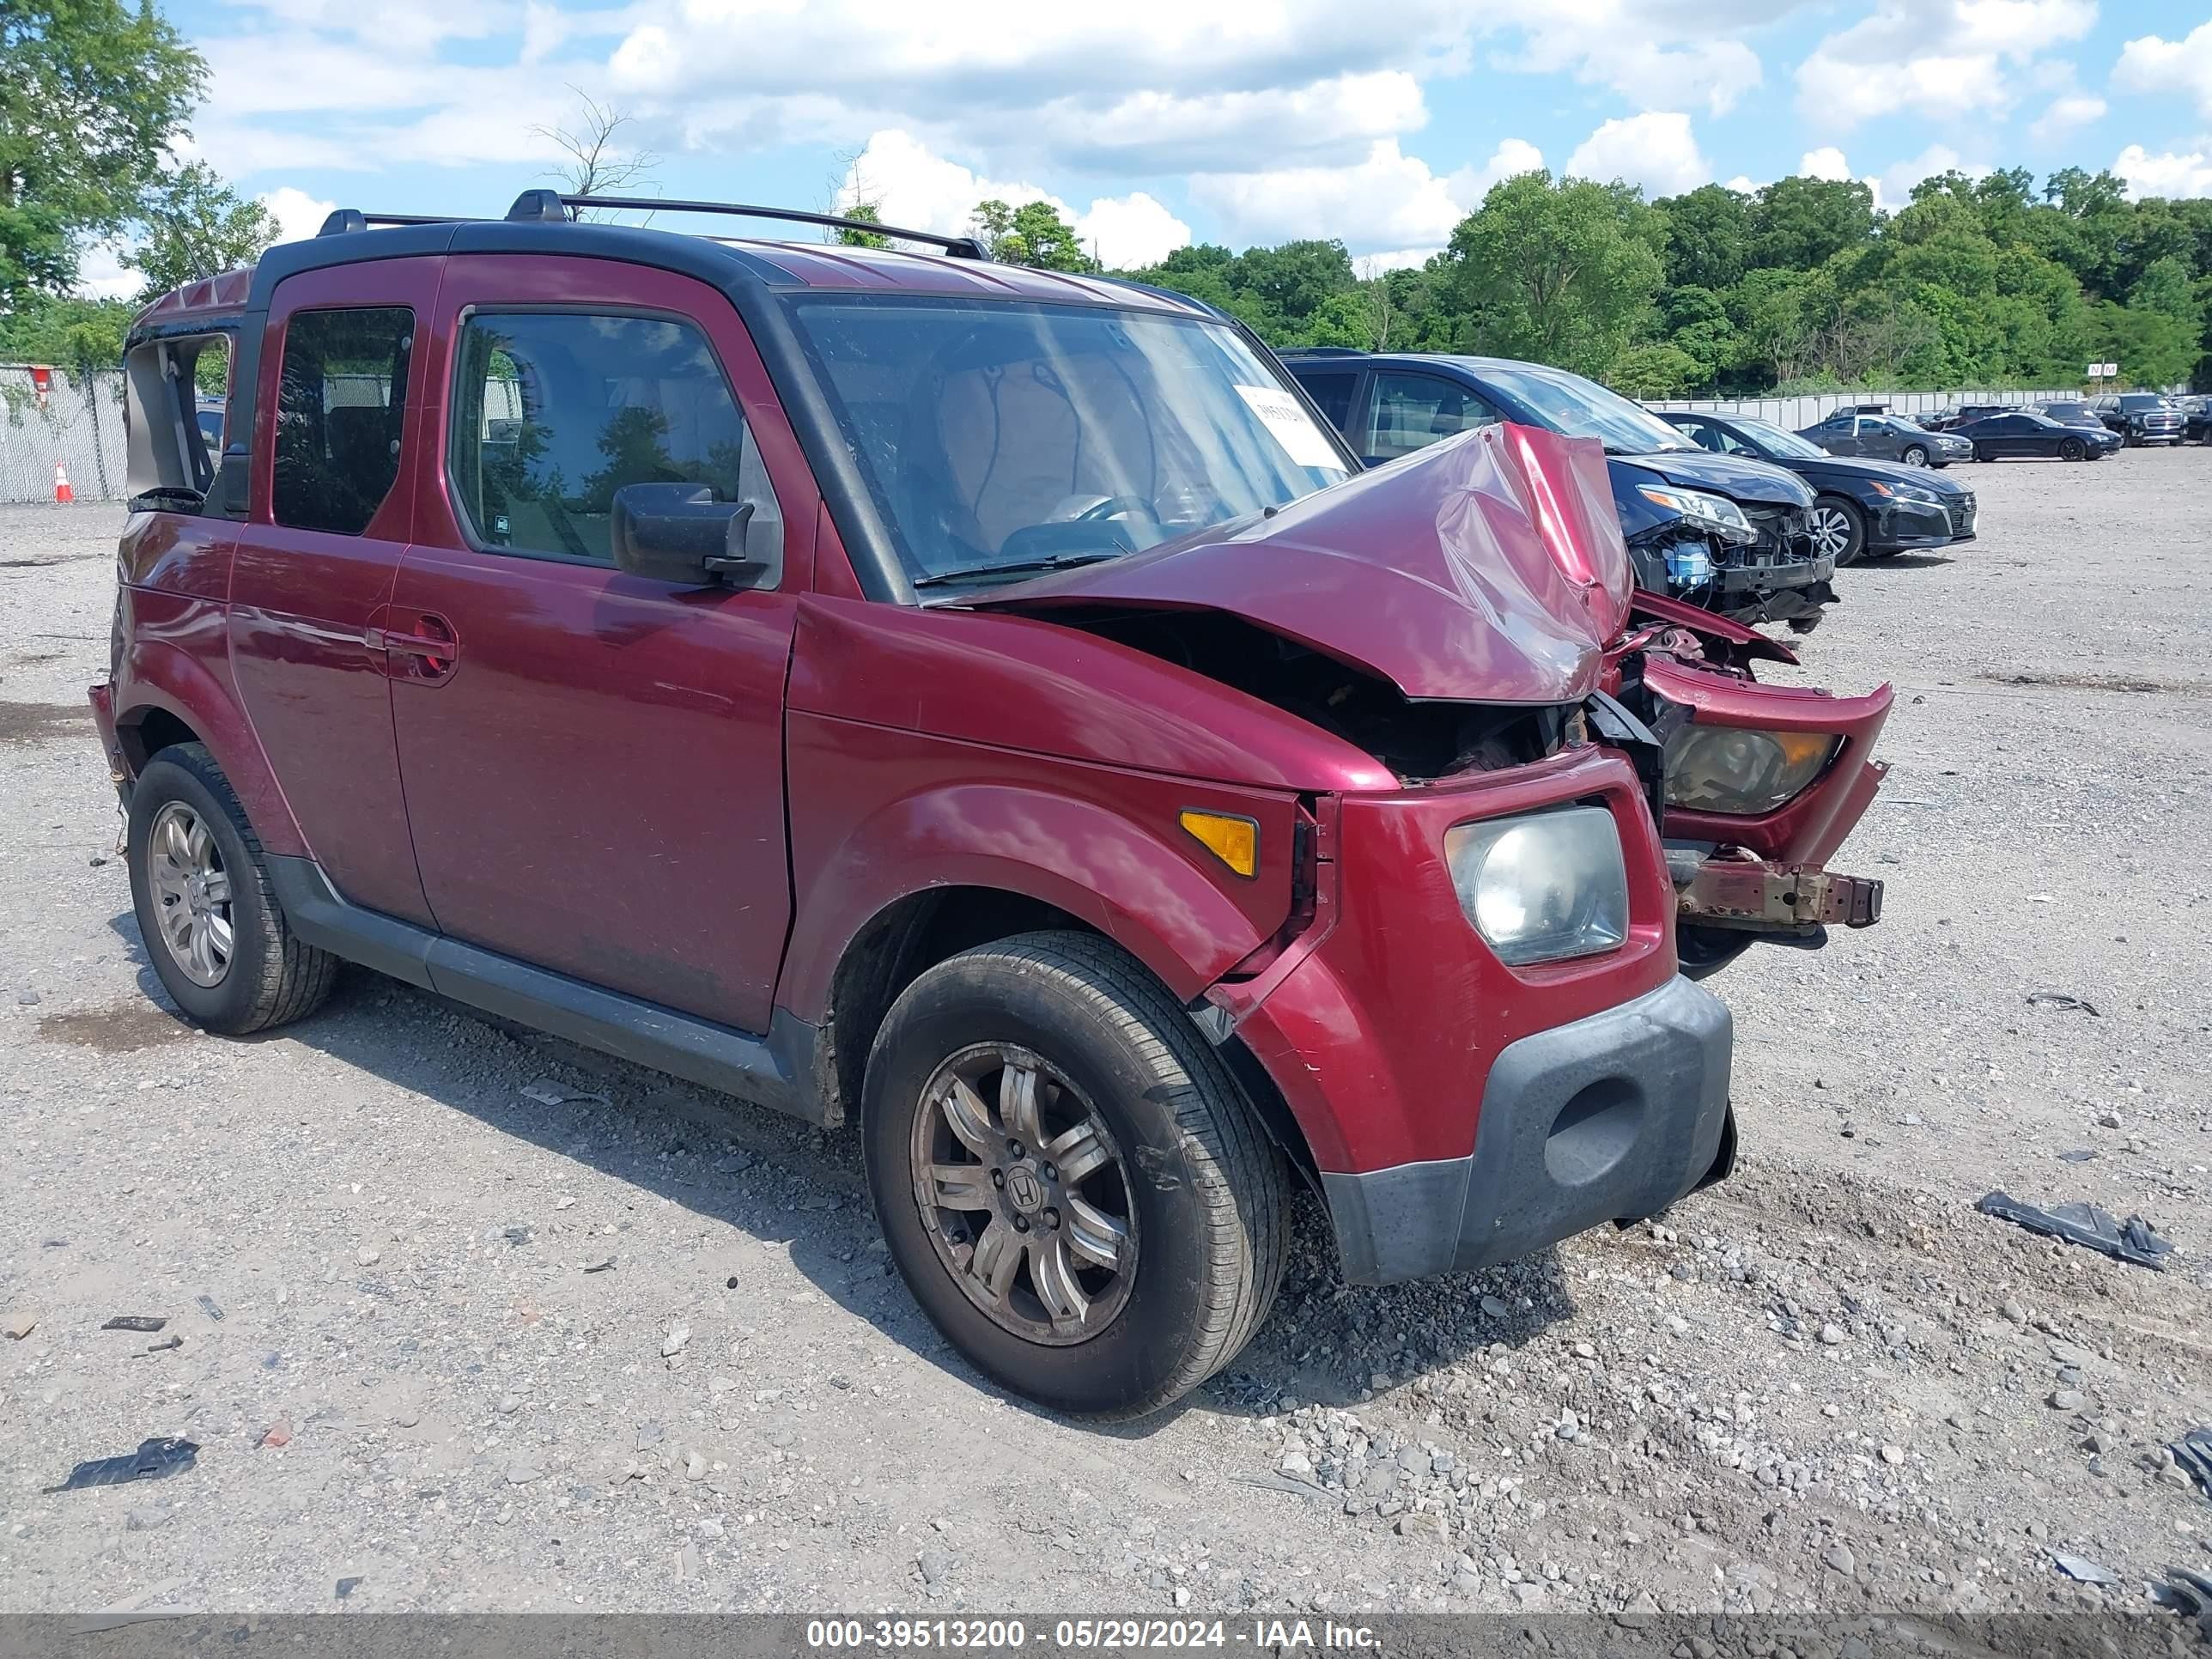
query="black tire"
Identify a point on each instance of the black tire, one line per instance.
(1851, 517)
(270, 978)
(2072, 449)
(1914, 455)
(1982, 452)
(1206, 1207)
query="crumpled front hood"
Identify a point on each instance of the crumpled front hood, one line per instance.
(1736, 476)
(1489, 568)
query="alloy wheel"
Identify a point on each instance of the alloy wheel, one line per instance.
(1025, 1194)
(1915, 456)
(1831, 531)
(191, 893)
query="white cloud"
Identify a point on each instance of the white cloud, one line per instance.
(2154, 63)
(1743, 186)
(1826, 162)
(1656, 150)
(2067, 111)
(1939, 58)
(1154, 86)
(102, 273)
(2165, 174)
(911, 185)
(298, 215)
(1128, 231)
(1651, 52)
(1511, 159)
(1388, 205)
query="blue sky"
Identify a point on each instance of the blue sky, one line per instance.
(1156, 122)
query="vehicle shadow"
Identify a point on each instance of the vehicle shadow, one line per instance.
(783, 1181)
(1906, 562)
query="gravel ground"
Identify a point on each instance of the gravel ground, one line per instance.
(383, 1237)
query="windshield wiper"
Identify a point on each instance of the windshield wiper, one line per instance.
(1013, 567)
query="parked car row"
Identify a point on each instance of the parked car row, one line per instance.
(1737, 516)
(991, 707)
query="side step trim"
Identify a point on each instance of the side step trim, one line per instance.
(763, 1070)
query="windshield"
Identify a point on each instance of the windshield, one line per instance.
(1775, 441)
(999, 439)
(2135, 400)
(1583, 409)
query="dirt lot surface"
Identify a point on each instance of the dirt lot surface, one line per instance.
(383, 1236)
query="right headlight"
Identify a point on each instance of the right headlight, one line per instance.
(1726, 769)
(1542, 887)
(1714, 513)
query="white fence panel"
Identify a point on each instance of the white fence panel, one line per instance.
(1795, 413)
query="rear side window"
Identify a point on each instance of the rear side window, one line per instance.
(1411, 411)
(1333, 392)
(555, 411)
(340, 403)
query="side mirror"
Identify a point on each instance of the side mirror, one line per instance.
(682, 533)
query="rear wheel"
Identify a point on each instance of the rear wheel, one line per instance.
(214, 932)
(2072, 449)
(1839, 529)
(1071, 1183)
(1984, 453)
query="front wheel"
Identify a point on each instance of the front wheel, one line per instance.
(1839, 529)
(1070, 1180)
(1914, 456)
(1984, 453)
(2072, 449)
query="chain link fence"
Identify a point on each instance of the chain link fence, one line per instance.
(78, 425)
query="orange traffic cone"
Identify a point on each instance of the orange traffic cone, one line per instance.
(63, 494)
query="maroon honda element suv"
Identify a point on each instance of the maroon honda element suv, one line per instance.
(987, 704)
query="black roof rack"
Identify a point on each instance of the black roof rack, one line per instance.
(541, 206)
(344, 220)
(1322, 351)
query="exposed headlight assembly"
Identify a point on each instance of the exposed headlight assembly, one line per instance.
(1542, 887)
(1725, 769)
(1715, 512)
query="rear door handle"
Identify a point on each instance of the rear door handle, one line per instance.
(429, 653)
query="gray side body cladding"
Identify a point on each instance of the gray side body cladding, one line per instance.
(768, 1071)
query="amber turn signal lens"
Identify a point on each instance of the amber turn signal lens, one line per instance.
(1234, 841)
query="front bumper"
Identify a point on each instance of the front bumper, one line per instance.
(1916, 524)
(1769, 578)
(1610, 1117)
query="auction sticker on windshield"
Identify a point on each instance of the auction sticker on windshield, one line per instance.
(1283, 415)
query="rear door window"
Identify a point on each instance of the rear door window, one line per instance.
(341, 402)
(1411, 411)
(555, 411)
(1333, 390)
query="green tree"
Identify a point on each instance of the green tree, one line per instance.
(868, 213)
(1033, 233)
(1708, 237)
(71, 333)
(196, 226)
(1655, 369)
(1564, 272)
(92, 93)
(1798, 222)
